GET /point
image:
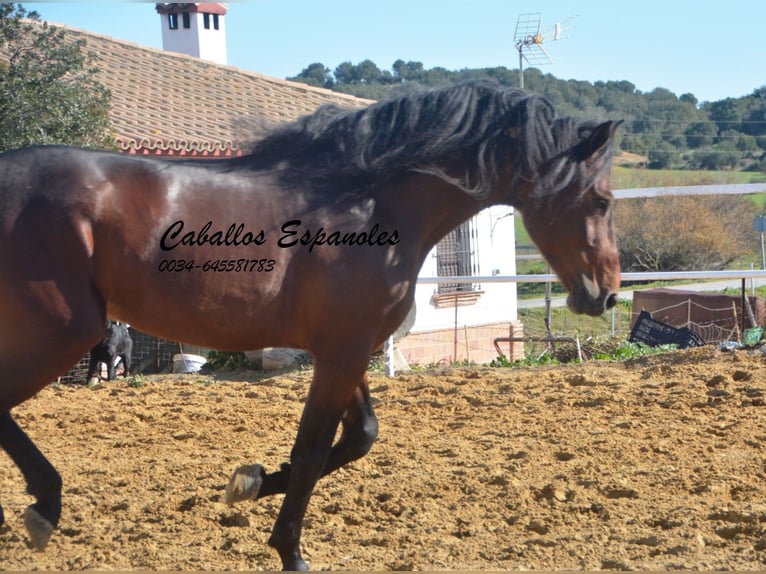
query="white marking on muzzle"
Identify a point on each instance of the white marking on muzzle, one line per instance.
(591, 286)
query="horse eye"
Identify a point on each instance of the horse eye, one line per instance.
(601, 204)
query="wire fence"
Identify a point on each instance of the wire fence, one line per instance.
(723, 323)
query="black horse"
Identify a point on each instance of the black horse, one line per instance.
(116, 344)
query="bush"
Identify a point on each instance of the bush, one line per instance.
(227, 361)
(682, 233)
(601, 349)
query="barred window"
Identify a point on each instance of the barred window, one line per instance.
(455, 257)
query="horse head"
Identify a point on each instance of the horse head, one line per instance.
(568, 211)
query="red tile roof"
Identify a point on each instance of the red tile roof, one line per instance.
(203, 7)
(166, 103)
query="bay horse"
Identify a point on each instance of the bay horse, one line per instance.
(314, 240)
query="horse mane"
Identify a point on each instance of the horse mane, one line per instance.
(480, 124)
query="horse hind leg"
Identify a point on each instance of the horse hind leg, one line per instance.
(93, 366)
(126, 365)
(22, 377)
(43, 481)
(111, 367)
(64, 341)
(126, 359)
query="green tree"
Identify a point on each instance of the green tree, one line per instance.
(726, 113)
(49, 93)
(674, 131)
(722, 155)
(689, 99)
(345, 73)
(700, 133)
(367, 72)
(316, 74)
(663, 156)
(755, 122)
(407, 71)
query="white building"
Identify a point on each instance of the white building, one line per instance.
(457, 322)
(196, 29)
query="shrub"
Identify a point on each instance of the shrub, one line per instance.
(683, 232)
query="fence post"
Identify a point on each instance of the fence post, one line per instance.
(389, 351)
(688, 311)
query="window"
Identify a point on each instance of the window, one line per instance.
(173, 21)
(206, 21)
(455, 256)
(187, 20)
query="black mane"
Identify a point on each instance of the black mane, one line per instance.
(478, 124)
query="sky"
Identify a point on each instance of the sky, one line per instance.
(711, 49)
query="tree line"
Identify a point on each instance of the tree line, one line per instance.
(670, 131)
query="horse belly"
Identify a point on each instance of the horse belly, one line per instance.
(237, 310)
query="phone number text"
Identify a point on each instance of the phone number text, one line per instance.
(218, 265)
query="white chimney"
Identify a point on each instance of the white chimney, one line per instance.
(197, 29)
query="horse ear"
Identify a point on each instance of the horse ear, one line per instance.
(598, 142)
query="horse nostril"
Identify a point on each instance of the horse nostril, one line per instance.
(611, 300)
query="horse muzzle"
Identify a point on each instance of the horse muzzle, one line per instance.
(590, 299)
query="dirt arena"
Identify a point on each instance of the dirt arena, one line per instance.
(654, 463)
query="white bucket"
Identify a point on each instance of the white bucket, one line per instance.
(187, 363)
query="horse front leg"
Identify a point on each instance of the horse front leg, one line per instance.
(43, 481)
(333, 393)
(307, 461)
(360, 429)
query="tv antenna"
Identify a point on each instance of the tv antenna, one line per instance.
(529, 38)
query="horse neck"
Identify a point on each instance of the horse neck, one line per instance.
(434, 207)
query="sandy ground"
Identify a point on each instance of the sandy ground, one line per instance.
(653, 463)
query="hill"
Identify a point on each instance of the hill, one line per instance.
(670, 131)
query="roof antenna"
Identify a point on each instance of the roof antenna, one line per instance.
(529, 38)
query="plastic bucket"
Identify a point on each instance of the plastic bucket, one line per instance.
(187, 363)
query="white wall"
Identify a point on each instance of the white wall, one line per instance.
(496, 251)
(212, 42)
(196, 41)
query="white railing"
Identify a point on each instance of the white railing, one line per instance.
(630, 276)
(714, 189)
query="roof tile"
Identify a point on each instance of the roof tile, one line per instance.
(164, 102)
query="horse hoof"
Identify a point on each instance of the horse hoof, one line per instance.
(298, 566)
(244, 484)
(39, 528)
